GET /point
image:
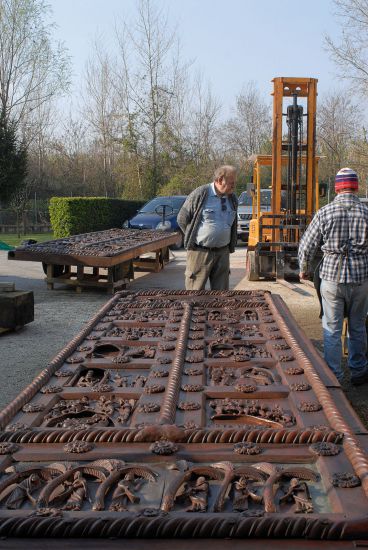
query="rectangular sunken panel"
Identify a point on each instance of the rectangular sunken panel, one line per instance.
(184, 414)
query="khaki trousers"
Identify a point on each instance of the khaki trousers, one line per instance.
(207, 264)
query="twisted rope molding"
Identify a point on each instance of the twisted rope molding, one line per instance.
(291, 436)
(354, 452)
(180, 526)
(168, 408)
(30, 391)
(128, 435)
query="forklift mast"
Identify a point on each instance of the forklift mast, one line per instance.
(301, 192)
(274, 236)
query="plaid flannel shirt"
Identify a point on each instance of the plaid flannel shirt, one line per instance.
(342, 227)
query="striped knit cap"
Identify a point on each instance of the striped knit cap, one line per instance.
(346, 178)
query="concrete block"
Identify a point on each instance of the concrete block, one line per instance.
(7, 287)
(16, 309)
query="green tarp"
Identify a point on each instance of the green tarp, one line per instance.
(4, 246)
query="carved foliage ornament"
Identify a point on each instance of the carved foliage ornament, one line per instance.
(293, 371)
(193, 371)
(345, 480)
(192, 387)
(7, 448)
(195, 345)
(17, 426)
(51, 389)
(78, 447)
(75, 359)
(163, 447)
(188, 406)
(149, 407)
(103, 388)
(284, 358)
(245, 388)
(309, 406)
(63, 373)
(301, 386)
(154, 388)
(247, 448)
(33, 407)
(159, 373)
(324, 448)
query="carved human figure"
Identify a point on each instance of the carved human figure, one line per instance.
(220, 349)
(242, 495)
(125, 409)
(77, 491)
(104, 406)
(261, 377)
(198, 495)
(298, 493)
(121, 381)
(216, 376)
(88, 380)
(124, 493)
(139, 381)
(228, 378)
(22, 492)
(77, 405)
(256, 376)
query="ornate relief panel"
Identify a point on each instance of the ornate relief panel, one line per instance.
(184, 414)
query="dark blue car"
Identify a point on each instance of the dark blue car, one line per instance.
(150, 216)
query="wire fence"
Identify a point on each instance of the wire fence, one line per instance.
(29, 221)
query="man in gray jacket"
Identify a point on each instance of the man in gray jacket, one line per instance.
(208, 220)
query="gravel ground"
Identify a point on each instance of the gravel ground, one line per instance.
(61, 313)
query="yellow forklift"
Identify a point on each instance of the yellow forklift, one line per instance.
(274, 235)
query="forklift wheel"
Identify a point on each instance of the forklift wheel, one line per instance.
(251, 269)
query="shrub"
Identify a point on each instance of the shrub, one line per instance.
(73, 215)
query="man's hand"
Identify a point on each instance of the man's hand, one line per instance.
(304, 275)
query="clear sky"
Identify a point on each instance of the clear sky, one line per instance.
(230, 41)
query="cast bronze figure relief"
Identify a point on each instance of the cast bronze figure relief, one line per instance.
(184, 412)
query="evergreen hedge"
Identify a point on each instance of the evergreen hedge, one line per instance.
(74, 215)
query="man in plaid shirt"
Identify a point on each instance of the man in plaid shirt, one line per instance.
(341, 229)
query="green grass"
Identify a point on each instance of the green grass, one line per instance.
(13, 240)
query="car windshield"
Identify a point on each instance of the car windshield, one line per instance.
(174, 202)
(246, 200)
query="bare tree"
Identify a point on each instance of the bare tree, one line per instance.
(350, 53)
(130, 131)
(250, 127)
(149, 71)
(203, 119)
(19, 204)
(70, 160)
(101, 110)
(32, 68)
(38, 132)
(338, 129)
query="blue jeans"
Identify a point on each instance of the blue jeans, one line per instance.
(353, 298)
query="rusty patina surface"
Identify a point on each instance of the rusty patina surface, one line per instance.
(185, 415)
